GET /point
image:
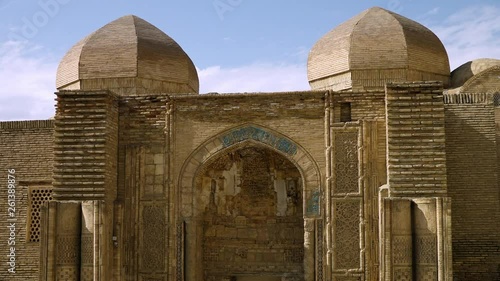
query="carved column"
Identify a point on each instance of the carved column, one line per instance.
(396, 245)
(346, 202)
(67, 241)
(309, 249)
(87, 242)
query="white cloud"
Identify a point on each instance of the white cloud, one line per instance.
(27, 79)
(471, 33)
(257, 77)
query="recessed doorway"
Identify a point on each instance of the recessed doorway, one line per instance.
(252, 226)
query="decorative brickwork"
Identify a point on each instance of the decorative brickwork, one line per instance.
(87, 274)
(179, 235)
(68, 247)
(320, 250)
(67, 274)
(426, 249)
(402, 249)
(346, 163)
(346, 209)
(38, 196)
(403, 274)
(87, 258)
(153, 238)
(346, 235)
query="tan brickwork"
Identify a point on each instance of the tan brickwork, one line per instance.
(144, 59)
(416, 155)
(374, 48)
(469, 69)
(27, 147)
(384, 179)
(473, 185)
(86, 139)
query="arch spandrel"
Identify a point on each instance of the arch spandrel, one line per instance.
(242, 136)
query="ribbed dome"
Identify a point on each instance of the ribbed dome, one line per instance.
(129, 56)
(467, 70)
(376, 47)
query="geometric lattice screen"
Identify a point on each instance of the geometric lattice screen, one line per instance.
(37, 197)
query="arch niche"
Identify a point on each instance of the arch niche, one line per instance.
(249, 198)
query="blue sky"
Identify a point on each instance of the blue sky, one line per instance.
(237, 45)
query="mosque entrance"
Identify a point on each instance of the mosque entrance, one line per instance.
(252, 223)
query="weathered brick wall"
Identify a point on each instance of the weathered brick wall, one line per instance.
(473, 185)
(299, 116)
(142, 189)
(142, 119)
(365, 105)
(27, 147)
(250, 199)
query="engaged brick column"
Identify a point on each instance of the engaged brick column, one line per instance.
(417, 185)
(85, 170)
(416, 159)
(86, 139)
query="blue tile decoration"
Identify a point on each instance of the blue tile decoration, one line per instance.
(261, 135)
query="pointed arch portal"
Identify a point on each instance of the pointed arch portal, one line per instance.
(248, 198)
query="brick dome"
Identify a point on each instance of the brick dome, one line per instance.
(469, 69)
(128, 56)
(373, 48)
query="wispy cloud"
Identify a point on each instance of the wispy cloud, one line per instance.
(257, 77)
(471, 33)
(428, 15)
(27, 79)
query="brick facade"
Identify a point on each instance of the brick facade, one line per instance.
(391, 178)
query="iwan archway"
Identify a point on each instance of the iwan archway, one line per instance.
(249, 203)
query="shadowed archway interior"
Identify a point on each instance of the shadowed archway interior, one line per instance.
(252, 216)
